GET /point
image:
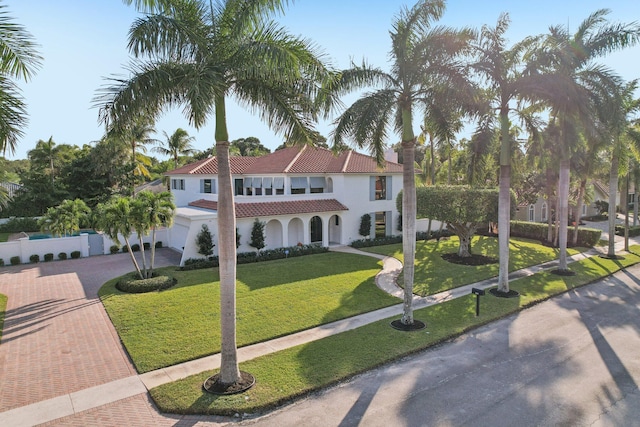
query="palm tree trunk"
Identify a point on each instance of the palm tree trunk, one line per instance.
(613, 189)
(153, 251)
(145, 272)
(636, 184)
(229, 370)
(549, 179)
(133, 257)
(504, 203)
(578, 210)
(408, 227)
(563, 215)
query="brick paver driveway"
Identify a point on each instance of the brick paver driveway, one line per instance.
(58, 339)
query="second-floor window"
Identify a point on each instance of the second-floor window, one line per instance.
(208, 186)
(298, 185)
(380, 188)
(177, 184)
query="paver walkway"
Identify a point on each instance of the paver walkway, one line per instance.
(61, 360)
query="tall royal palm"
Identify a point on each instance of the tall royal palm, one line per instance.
(503, 71)
(573, 83)
(175, 145)
(422, 57)
(19, 59)
(199, 54)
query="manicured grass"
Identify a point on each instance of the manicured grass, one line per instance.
(433, 274)
(293, 372)
(3, 309)
(4, 237)
(274, 298)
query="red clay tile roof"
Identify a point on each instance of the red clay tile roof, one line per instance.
(258, 209)
(295, 160)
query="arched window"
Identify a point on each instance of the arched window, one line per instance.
(544, 211)
(532, 210)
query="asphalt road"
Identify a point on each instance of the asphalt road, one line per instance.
(573, 360)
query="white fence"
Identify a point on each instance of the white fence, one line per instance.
(25, 248)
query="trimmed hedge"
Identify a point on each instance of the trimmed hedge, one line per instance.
(48, 257)
(62, 255)
(35, 258)
(16, 225)
(134, 285)
(389, 240)
(1, 262)
(158, 244)
(587, 237)
(14, 260)
(633, 231)
(114, 249)
(249, 257)
(75, 254)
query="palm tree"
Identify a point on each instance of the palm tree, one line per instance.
(422, 57)
(574, 86)
(45, 152)
(155, 210)
(115, 219)
(176, 145)
(198, 54)
(66, 218)
(624, 137)
(502, 69)
(19, 59)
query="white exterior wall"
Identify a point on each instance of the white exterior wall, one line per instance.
(24, 247)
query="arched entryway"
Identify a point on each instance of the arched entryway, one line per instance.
(316, 229)
(295, 231)
(335, 230)
(273, 234)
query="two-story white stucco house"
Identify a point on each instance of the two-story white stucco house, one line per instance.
(303, 195)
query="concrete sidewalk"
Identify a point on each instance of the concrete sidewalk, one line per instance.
(57, 335)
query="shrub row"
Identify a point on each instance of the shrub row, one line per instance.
(587, 237)
(134, 248)
(633, 230)
(389, 240)
(134, 285)
(249, 257)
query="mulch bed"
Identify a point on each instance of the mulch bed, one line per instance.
(472, 260)
(212, 385)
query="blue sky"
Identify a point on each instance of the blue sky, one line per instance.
(84, 41)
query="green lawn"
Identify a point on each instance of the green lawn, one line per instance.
(4, 237)
(433, 274)
(293, 372)
(274, 298)
(3, 309)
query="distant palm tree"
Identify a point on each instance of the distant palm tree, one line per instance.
(66, 218)
(45, 152)
(422, 58)
(19, 59)
(198, 54)
(574, 86)
(176, 145)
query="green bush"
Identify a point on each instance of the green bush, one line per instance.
(147, 245)
(587, 237)
(125, 249)
(16, 225)
(389, 240)
(35, 258)
(1, 262)
(114, 249)
(48, 257)
(249, 257)
(135, 247)
(159, 244)
(62, 255)
(134, 285)
(14, 260)
(633, 231)
(75, 254)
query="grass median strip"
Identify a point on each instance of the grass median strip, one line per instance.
(287, 374)
(433, 274)
(274, 298)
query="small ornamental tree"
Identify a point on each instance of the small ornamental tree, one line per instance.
(462, 208)
(204, 240)
(257, 235)
(365, 225)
